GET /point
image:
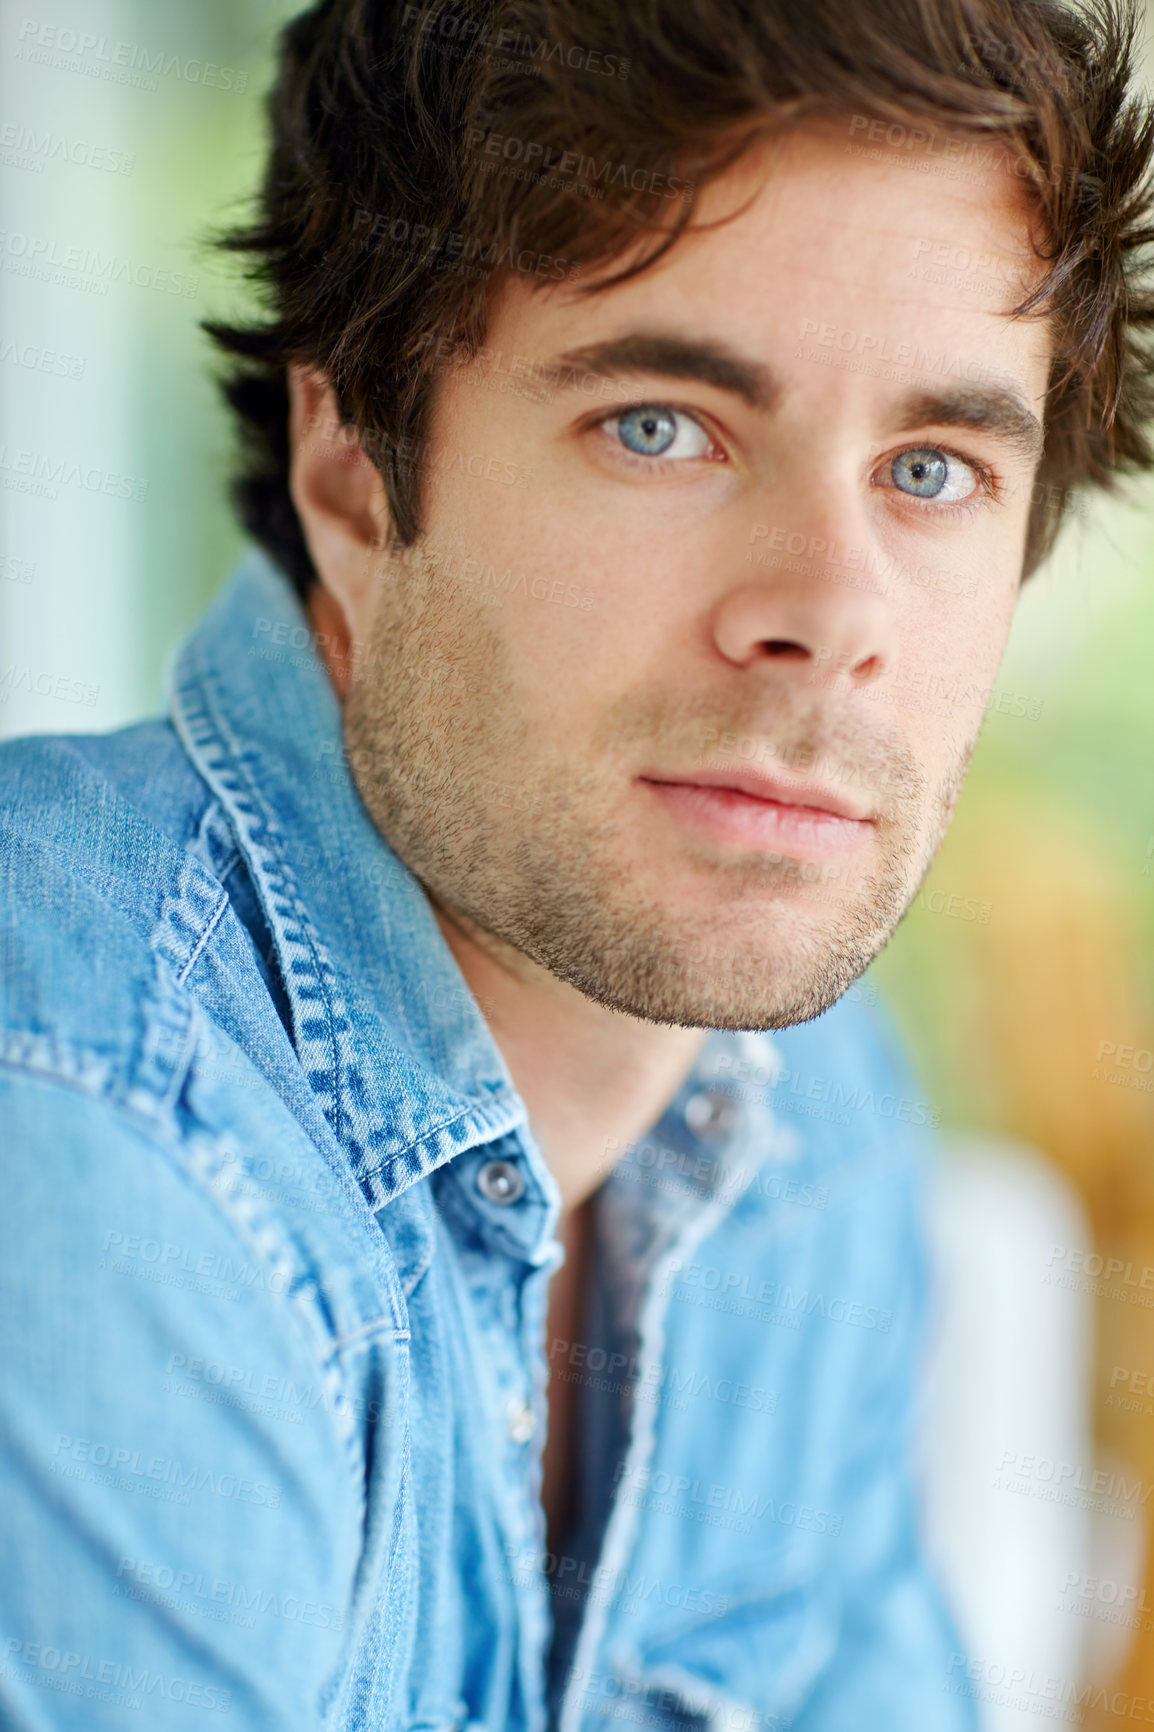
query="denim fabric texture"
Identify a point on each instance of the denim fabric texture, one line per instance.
(276, 1243)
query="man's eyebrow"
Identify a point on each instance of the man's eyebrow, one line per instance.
(704, 359)
(992, 409)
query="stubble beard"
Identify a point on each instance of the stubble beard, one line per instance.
(527, 847)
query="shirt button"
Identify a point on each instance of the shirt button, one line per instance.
(520, 1421)
(500, 1181)
(710, 1113)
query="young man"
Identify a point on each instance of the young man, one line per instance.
(418, 1314)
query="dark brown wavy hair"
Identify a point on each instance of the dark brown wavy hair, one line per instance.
(381, 229)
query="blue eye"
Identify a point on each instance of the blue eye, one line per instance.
(925, 472)
(922, 472)
(655, 430)
(648, 431)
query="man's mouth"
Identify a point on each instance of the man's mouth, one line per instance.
(766, 814)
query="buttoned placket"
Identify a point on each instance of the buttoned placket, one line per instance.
(503, 1204)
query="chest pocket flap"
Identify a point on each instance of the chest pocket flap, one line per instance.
(760, 1636)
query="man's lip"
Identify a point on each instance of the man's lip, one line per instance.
(808, 796)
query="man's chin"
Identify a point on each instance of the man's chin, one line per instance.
(785, 1008)
(791, 977)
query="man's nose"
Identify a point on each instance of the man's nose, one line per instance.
(811, 611)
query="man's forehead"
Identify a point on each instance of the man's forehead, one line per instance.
(806, 203)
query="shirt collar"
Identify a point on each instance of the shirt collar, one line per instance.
(388, 1033)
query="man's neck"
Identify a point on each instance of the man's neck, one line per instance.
(593, 1079)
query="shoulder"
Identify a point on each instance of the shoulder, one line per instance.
(106, 882)
(113, 861)
(57, 784)
(158, 1110)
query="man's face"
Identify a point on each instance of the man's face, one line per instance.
(677, 690)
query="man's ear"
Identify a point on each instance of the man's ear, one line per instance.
(340, 500)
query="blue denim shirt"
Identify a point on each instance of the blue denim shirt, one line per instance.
(276, 1242)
